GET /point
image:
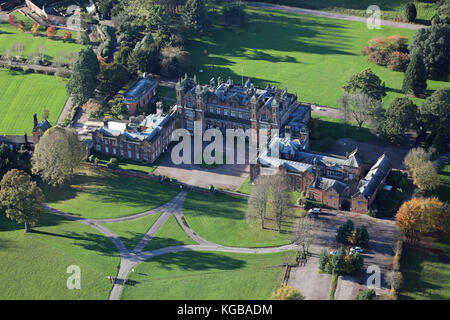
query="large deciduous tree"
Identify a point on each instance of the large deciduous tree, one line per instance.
(258, 200)
(57, 155)
(366, 82)
(195, 16)
(280, 198)
(361, 107)
(21, 197)
(426, 177)
(112, 78)
(435, 112)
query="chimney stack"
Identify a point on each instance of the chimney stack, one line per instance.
(287, 132)
(35, 120)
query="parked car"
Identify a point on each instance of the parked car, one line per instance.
(334, 252)
(314, 210)
(355, 249)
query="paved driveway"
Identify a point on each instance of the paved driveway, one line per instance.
(380, 251)
(227, 176)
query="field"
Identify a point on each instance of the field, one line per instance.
(24, 94)
(390, 9)
(310, 56)
(221, 219)
(34, 265)
(9, 35)
(99, 194)
(426, 272)
(206, 275)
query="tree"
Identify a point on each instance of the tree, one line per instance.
(323, 260)
(83, 80)
(426, 177)
(35, 28)
(112, 79)
(8, 55)
(233, 13)
(118, 108)
(345, 231)
(336, 264)
(362, 236)
(360, 107)
(12, 20)
(18, 48)
(366, 82)
(304, 234)
(410, 12)
(13, 159)
(395, 280)
(67, 36)
(45, 113)
(122, 55)
(160, 21)
(435, 112)
(21, 197)
(368, 294)
(195, 16)
(409, 219)
(57, 155)
(399, 117)
(83, 38)
(145, 60)
(433, 44)
(258, 200)
(415, 158)
(286, 292)
(443, 13)
(51, 32)
(415, 80)
(280, 199)
(21, 26)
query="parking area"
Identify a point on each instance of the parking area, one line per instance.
(379, 252)
(227, 176)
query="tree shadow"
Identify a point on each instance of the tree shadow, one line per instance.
(45, 220)
(195, 260)
(162, 242)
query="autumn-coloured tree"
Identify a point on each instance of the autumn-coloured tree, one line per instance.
(35, 28)
(67, 36)
(102, 62)
(21, 26)
(12, 20)
(422, 215)
(286, 292)
(51, 32)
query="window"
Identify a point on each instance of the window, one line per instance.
(225, 112)
(233, 113)
(114, 150)
(121, 152)
(98, 147)
(211, 109)
(129, 154)
(137, 156)
(145, 157)
(247, 116)
(240, 115)
(106, 149)
(218, 110)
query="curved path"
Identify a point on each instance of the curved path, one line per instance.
(130, 259)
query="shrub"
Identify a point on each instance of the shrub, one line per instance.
(368, 294)
(410, 12)
(398, 61)
(379, 57)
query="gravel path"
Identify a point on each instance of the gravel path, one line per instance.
(130, 259)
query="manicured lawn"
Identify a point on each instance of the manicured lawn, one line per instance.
(170, 234)
(444, 172)
(311, 56)
(443, 191)
(426, 274)
(127, 164)
(221, 219)
(34, 265)
(132, 231)
(100, 194)
(9, 35)
(246, 186)
(166, 92)
(24, 94)
(206, 275)
(390, 9)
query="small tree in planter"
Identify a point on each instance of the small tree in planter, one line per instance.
(67, 36)
(51, 32)
(35, 28)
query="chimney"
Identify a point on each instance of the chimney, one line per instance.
(287, 132)
(35, 120)
(25, 138)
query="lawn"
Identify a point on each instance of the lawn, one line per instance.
(170, 234)
(34, 265)
(443, 191)
(221, 219)
(24, 94)
(444, 172)
(246, 186)
(206, 275)
(132, 231)
(128, 164)
(390, 9)
(426, 273)
(99, 194)
(9, 35)
(310, 56)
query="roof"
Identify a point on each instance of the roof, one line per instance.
(14, 139)
(291, 166)
(325, 184)
(139, 89)
(329, 161)
(374, 177)
(44, 125)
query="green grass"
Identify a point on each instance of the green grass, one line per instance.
(311, 56)
(34, 265)
(23, 94)
(443, 191)
(246, 186)
(390, 9)
(425, 275)
(170, 234)
(221, 219)
(333, 286)
(132, 231)
(444, 172)
(9, 35)
(99, 194)
(127, 164)
(206, 275)
(166, 92)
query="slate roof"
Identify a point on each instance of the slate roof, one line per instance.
(44, 125)
(325, 184)
(354, 160)
(376, 174)
(291, 166)
(139, 89)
